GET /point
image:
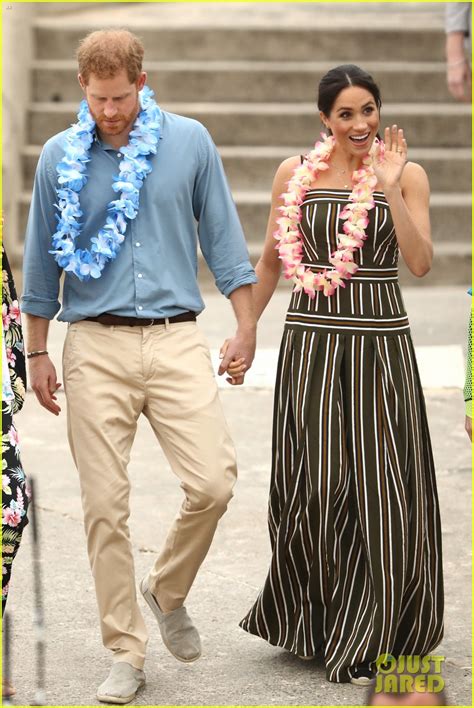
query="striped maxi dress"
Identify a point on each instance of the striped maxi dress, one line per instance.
(356, 568)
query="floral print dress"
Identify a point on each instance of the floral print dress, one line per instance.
(15, 493)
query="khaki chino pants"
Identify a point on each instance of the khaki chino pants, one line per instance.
(111, 376)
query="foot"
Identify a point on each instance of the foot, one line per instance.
(179, 635)
(362, 675)
(122, 684)
(7, 689)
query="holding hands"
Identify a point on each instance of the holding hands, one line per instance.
(234, 368)
(389, 162)
(238, 352)
(234, 361)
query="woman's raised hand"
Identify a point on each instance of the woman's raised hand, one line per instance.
(389, 163)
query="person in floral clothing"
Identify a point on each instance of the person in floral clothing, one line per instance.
(14, 486)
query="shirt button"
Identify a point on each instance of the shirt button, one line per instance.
(140, 275)
(119, 154)
(140, 307)
(138, 244)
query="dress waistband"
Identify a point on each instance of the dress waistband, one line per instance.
(344, 323)
(362, 273)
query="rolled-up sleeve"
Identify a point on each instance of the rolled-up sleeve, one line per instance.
(458, 17)
(41, 274)
(220, 234)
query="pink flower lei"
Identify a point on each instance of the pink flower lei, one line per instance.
(354, 215)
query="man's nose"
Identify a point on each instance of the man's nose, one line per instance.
(110, 110)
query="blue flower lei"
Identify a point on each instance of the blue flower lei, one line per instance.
(133, 169)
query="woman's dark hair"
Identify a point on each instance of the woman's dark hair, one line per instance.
(341, 77)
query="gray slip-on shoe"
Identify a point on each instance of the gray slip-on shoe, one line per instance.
(122, 683)
(179, 635)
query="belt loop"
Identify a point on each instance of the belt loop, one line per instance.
(167, 323)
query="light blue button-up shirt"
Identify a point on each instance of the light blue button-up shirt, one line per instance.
(185, 199)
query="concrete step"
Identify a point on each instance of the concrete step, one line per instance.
(233, 81)
(451, 266)
(330, 37)
(136, 15)
(253, 168)
(450, 216)
(449, 169)
(425, 124)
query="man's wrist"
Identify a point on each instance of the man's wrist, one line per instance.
(247, 328)
(456, 62)
(36, 352)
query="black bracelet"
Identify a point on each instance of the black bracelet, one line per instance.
(40, 352)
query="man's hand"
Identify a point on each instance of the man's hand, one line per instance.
(241, 349)
(468, 426)
(236, 369)
(44, 382)
(459, 80)
(237, 355)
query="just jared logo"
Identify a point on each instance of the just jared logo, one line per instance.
(408, 674)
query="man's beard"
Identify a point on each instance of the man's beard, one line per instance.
(121, 122)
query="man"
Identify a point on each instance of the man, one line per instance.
(458, 49)
(132, 345)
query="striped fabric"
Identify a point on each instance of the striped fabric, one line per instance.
(354, 521)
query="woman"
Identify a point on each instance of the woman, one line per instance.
(353, 511)
(14, 489)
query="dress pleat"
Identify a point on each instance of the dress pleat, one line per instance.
(354, 522)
